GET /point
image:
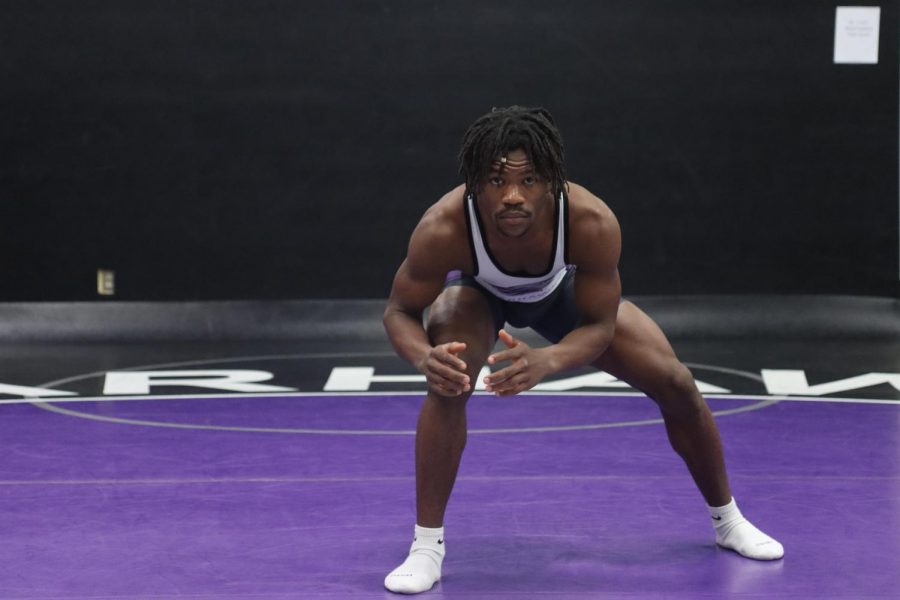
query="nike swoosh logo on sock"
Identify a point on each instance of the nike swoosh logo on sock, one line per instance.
(717, 518)
(440, 541)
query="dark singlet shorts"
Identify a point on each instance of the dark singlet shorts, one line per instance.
(553, 317)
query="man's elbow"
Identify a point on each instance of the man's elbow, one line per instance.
(390, 313)
(605, 334)
(609, 332)
(394, 311)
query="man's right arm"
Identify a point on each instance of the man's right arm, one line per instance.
(403, 316)
(418, 281)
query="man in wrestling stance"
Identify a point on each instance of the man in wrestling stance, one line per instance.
(518, 243)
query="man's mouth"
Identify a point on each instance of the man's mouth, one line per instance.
(513, 215)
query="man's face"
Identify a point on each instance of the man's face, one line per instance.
(514, 194)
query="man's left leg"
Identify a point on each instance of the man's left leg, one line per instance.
(641, 355)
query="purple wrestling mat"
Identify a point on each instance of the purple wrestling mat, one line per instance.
(579, 496)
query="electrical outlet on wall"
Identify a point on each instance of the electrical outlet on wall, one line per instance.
(106, 282)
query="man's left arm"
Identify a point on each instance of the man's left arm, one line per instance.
(594, 247)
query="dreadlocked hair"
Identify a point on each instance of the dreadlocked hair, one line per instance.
(499, 132)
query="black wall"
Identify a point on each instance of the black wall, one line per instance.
(274, 149)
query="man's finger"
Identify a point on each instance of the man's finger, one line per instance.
(512, 386)
(452, 349)
(444, 371)
(494, 358)
(456, 363)
(502, 375)
(445, 391)
(448, 387)
(510, 354)
(448, 356)
(455, 347)
(508, 339)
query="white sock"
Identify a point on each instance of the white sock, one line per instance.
(736, 533)
(422, 568)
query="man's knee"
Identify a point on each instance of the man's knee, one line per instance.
(445, 319)
(457, 307)
(677, 392)
(462, 314)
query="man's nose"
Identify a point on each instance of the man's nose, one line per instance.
(513, 195)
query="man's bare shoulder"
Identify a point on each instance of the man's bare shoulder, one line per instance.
(446, 213)
(444, 221)
(594, 229)
(440, 240)
(585, 205)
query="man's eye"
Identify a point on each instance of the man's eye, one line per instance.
(529, 181)
(495, 181)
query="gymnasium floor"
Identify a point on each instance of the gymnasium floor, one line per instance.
(150, 480)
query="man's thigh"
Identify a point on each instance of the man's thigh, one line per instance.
(640, 354)
(463, 314)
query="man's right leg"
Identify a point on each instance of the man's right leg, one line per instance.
(460, 314)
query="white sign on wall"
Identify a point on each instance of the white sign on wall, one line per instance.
(856, 34)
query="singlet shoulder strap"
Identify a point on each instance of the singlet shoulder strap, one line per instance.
(468, 207)
(564, 226)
